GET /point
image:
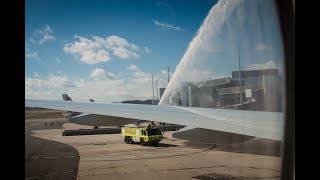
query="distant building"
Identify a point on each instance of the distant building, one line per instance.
(259, 90)
(265, 87)
(161, 91)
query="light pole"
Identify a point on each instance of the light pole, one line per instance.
(239, 77)
(152, 90)
(157, 88)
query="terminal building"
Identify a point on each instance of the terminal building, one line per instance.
(258, 90)
(161, 91)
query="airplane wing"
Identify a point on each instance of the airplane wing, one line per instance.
(239, 122)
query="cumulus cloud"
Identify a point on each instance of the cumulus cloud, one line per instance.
(52, 81)
(98, 49)
(88, 51)
(262, 47)
(133, 67)
(142, 78)
(114, 42)
(99, 73)
(147, 50)
(96, 86)
(124, 53)
(36, 74)
(33, 55)
(267, 65)
(42, 35)
(167, 26)
(165, 72)
(47, 87)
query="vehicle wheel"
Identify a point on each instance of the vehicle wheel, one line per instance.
(130, 140)
(142, 143)
(126, 140)
(96, 127)
(155, 144)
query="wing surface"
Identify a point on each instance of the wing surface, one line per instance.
(250, 123)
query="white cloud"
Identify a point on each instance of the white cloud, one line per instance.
(111, 75)
(142, 78)
(165, 72)
(60, 81)
(50, 87)
(99, 73)
(42, 35)
(36, 74)
(98, 49)
(268, 65)
(89, 52)
(121, 47)
(262, 47)
(133, 67)
(124, 53)
(33, 55)
(51, 82)
(167, 26)
(116, 41)
(147, 50)
(132, 85)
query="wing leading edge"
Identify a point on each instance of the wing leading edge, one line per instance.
(267, 125)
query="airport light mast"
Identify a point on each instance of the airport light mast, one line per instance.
(239, 78)
(157, 88)
(152, 90)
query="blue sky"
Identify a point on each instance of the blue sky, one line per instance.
(108, 50)
(62, 41)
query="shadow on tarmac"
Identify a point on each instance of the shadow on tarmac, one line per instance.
(45, 159)
(254, 146)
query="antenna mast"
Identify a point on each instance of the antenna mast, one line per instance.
(239, 77)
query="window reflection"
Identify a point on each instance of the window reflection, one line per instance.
(234, 62)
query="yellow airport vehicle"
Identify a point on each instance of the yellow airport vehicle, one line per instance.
(144, 135)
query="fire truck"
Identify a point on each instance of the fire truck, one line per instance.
(142, 134)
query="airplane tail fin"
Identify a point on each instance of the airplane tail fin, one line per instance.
(66, 97)
(69, 114)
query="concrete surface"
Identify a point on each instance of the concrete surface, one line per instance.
(108, 157)
(46, 159)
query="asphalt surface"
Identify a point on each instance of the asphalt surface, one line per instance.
(47, 159)
(50, 155)
(106, 156)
